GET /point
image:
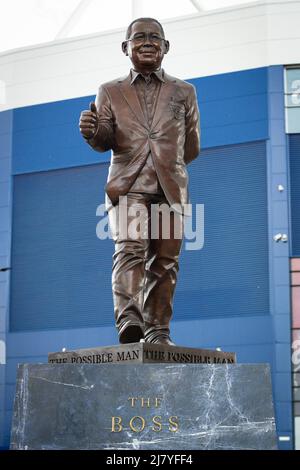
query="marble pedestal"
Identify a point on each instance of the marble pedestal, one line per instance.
(143, 406)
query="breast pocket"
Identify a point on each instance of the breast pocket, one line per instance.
(177, 110)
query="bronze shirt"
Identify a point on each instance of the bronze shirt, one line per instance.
(147, 89)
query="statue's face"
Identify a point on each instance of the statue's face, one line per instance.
(146, 46)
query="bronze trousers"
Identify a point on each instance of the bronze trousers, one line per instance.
(148, 238)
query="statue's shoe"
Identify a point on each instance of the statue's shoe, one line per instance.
(130, 332)
(162, 340)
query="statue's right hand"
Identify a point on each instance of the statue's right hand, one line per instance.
(88, 123)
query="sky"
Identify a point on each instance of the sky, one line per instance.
(29, 22)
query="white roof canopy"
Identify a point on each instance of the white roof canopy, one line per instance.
(28, 22)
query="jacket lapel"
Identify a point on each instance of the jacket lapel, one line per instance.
(130, 96)
(166, 92)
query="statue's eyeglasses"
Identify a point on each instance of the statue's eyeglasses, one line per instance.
(140, 38)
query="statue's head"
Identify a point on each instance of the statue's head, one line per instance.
(145, 44)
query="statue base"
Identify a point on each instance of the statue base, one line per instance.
(143, 406)
(142, 353)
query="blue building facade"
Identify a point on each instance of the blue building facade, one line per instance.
(234, 293)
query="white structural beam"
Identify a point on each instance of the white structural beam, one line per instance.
(198, 4)
(73, 19)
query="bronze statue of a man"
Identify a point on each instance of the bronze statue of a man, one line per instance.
(150, 120)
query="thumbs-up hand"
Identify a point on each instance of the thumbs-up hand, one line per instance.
(93, 107)
(88, 123)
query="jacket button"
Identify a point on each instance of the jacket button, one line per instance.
(152, 135)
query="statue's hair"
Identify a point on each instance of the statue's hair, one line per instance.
(129, 29)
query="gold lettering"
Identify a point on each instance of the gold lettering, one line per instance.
(145, 400)
(173, 423)
(116, 421)
(133, 400)
(136, 429)
(157, 402)
(157, 424)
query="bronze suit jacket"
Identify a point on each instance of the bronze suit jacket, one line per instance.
(173, 137)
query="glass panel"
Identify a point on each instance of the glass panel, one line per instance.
(292, 100)
(296, 394)
(293, 120)
(292, 82)
(296, 379)
(295, 264)
(297, 408)
(297, 433)
(295, 279)
(296, 307)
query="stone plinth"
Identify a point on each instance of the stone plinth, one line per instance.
(143, 406)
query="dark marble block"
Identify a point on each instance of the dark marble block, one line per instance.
(143, 406)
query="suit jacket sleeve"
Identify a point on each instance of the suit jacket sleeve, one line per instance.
(192, 123)
(104, 136)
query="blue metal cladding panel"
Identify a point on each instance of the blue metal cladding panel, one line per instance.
(61, 272)
(47, 137)
(233, 107)
(294, 146)
(229, 275)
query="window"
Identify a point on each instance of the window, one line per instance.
(292, 99)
